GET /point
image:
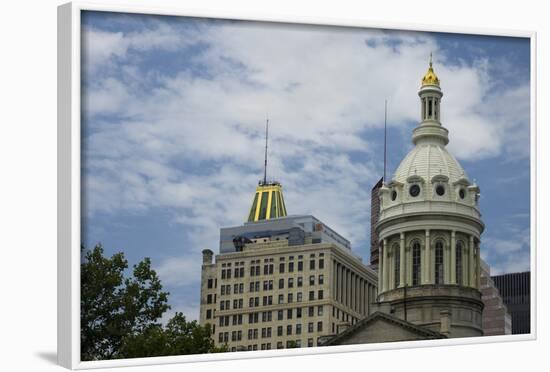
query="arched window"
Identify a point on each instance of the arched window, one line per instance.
(439, 262)
(416, 263)
(459, 262)
(397, 264)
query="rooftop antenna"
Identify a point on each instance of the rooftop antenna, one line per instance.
(385, 135)
(265, 160)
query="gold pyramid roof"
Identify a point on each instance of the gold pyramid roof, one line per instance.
(430, 78)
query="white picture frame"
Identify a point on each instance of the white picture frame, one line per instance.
(69, 32)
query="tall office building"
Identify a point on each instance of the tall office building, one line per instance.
(374, 214)
(515, 290)
(282, 281)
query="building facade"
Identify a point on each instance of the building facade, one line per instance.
(496, 319)
(429, 230)
(279, 288)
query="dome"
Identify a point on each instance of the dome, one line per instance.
(427, 161)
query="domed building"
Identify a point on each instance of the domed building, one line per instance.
(429, 231)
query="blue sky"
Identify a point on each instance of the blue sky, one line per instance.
(173, 114)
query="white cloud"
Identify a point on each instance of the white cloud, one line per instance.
(194, 142)
(180, 271)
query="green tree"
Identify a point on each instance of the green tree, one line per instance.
(120, 317)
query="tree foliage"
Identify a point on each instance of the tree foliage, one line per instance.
(121, 317)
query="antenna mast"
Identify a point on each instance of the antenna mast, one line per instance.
(385, 135)
(265, 161)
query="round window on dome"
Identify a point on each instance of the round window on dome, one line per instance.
(414, 190)
(440, 190)
(462, 193)
(393, 195)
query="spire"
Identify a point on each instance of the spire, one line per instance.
(430, 78)
(265, 161)
(268, 200)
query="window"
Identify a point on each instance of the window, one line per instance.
(319, 326)
(312, 280)
(459, 262)
(397, 264)
(282, 268)
(290, 282)
(291, 267)
(280, 345)
(309, 342)
(210, 282)
(257, 286)
(251, 287)
(235, 288)
(393, 195)
(241, 288)
(223, 290)
(439, 262)
(310, 327)
(298, 329)
(311, 311)
(321, 263)
(300, 266)
(311, 295)
(266, 269)
(228, 273)
(414, 190)
(279, 330)
(289, 329)
(280, 315)
(320, 294)
(223, 274)
(321, 279)
(281, 283)
(281, 299)
(300, 281)
(320, 310)
(208, 314)
(209, 299)
(312, 264)
(220, 337)
(299, 297)
(290, 299)
(258, 270)
(462, 193)
(222, 305)
(298, 312)
(416, 263)
(440, 190)
(289, 314)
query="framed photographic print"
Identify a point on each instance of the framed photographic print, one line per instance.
(246, 187)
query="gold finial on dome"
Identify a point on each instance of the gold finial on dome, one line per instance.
(430, 78)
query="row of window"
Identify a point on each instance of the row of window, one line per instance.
(342, 315)
(439, 266)
(439, 188)
(238, 288)
(267, 346)
(267, 316)
(266, 332)
(268, 269)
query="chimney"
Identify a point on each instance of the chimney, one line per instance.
(207, 256)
